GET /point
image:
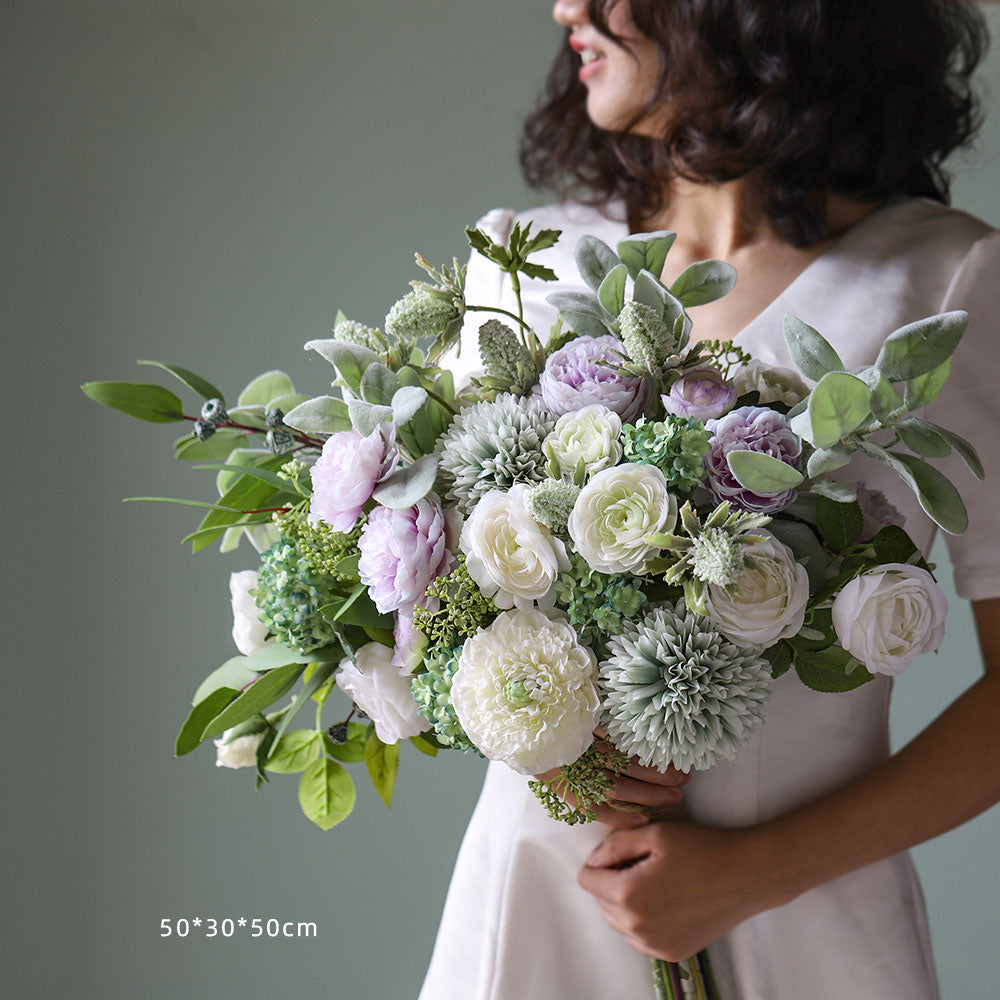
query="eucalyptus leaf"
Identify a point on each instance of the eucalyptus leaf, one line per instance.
(921, 347)
(824, 460)
(188, 448)
(366, 417)
(594, 259)
(204, 388)
(382, 762)
(964, 450)
(264, 475)
(611, 294)
(292, 752)
(704, 282)
(831, 489)
(261, 390)
(582, 313)
(204, 710)
(322, 415)
(350, 360)
(840, 524)
(408, 485)
(923, 438)
(260, 695)
(762, 473)
(810, 350)
(287, 402)
(326, 793)
(405, 403)
(378, 384)
(142, 400)
(233, 674)
(650, 291)
(646, 251)
(924, 389)
(838, 405)
(885, 400)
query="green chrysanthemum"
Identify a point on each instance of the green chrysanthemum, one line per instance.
(675, 445)
(680, 693)
(550, 503)
(598, 604)
(432, 693)
(290, 593)
(493, 445)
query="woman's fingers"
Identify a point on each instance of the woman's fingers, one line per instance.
(643, 792)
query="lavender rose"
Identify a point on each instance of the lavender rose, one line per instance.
(750, 428)
(702, 393)
(346, 473)
(402, 551)
(574, 377)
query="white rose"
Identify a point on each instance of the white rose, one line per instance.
(889, 616)
(614, 514)
(249, 632)
(382, 693)
(775, 385)
(509, 555)
(767, 602)
(589, 435)
(238, 751)
(524, 692)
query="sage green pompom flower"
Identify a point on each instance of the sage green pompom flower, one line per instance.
(679, 693)
(290, 593)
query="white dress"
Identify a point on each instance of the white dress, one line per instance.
(516, 926)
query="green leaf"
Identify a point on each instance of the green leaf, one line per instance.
(582, 313)
(406, 403)
(322, 415)
(219, 445)
(350, 360)
(378, 384)
(924, 389)
(408, 485)
(919, 348)
(611, 294)
(826, 670)
(840, 524)
(354, 749)
(762, 473)
(199, 385)
(141, 400)
(326, 793)
(780, 657)
(365, 417)
(810, 350)
(935, 493)
(292, 752)
(251, 521)
(650, 291)
(314, 677)
(202, 504)
(885, 400)
(358, 609)
(704, 282)
(922, 437)
(801, 539)
(382, 761)
(838, 405)
(260, 695)
(234, 674)
(948, 438)
(261, 390)
(646, 251)
(594, 260)
(204, 710)
(833, 490)
(824, 460)
(424, 746)
(253, 471)
(893, 545)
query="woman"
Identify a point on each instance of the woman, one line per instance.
(803, 143)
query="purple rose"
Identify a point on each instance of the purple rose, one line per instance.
(750, 428)
(702, 393)
(402, 551)
(574, 377)
(346, 473)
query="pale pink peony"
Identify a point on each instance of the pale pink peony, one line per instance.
(346, 473)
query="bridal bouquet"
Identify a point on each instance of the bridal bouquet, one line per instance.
(615, 526)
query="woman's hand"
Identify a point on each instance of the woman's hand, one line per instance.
(672, 888)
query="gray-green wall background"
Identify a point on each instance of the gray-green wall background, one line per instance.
(207, 182)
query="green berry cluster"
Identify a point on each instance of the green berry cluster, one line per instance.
(463, 608)
(675, 445)
(585, 783)
(324, 549)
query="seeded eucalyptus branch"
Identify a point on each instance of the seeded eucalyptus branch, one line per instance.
(581, 787)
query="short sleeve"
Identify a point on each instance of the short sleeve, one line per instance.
(969, 405)
(484, 283)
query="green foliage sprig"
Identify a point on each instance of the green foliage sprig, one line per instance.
(580, 788)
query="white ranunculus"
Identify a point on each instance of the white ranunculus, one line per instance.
(510, 556)
(589, 435)
(249, 632)
(525, 692)
(889, 616)
(775, 385)
(238, 751)
(382, 693)
(614, 514)
(767, 602)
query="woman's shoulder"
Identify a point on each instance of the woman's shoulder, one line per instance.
(925, 228)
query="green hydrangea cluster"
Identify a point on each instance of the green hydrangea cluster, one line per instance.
(462, 608)
(675, 445)
(597, 603)
(319, 545)
(290, 593)
(432, 693)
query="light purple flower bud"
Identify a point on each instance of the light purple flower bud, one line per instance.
(346, 473)
(702, 393)
(574, 377)
(750, 428)
(402, 551)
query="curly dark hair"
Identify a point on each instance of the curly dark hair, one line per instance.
(864, 98)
